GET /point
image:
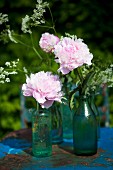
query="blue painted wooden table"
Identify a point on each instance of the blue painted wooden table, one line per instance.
(16, 154)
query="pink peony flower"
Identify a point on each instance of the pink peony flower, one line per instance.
(44, 87)
(71, 54)
(48, 41)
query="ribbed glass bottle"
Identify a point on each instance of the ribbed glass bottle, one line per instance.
(41, 133)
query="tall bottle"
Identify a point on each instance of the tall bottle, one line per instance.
(95, 110)
(84, 129)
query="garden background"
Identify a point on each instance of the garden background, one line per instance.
(89, 20)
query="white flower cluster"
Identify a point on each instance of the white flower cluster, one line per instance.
(100, 77)
(4, 34)
(9, 70)
(3, 18)
(35, 19)
(25, 25)
(74, 37)
(28, 22)
(10, 35)
(106, 76)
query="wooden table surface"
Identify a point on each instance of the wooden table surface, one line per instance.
(16, 154)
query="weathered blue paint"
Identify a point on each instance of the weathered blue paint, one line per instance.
(16, 143)
(13, 146)
(16, 153)
(5, 149)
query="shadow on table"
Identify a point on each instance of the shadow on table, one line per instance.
(67, 146)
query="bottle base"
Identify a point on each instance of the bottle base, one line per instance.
(84, 153)
(42, 154)
(56, 141)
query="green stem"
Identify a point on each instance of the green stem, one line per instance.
(13, 69)
(44, 26)
(37, 53)
(52, 20)
(20, 71)
(35, 48)
(37, 106)
(71, 97)
(22, 43)
(79, 75)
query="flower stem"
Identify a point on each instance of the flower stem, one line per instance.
(79, 75)
(35, 48)
(22, 43)
(52, 19)
(44, 26)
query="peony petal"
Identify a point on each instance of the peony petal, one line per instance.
(27, 91)
(47, 104)
(63, 70)
(39, 98)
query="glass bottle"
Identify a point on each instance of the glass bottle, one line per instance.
(67, 116)
(84, 129)
(57, 129)
(95, 110)
(41, 133)
(67, 113)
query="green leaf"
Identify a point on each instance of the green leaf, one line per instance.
(71, 97)
(87, 80)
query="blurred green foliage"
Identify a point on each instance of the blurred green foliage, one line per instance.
(91, 21)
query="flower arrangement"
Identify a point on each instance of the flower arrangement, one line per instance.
(71, 53)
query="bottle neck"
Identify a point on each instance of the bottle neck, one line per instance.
(84, 102)
(84, 107)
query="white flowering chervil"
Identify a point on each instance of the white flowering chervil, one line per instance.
(7, 80)
(10, 69)
(25, 26)
(3, 18)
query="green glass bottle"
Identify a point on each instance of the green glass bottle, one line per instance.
(95, 110)
(41, 133)
(67, 115)
(84, 129)
(57, 129)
